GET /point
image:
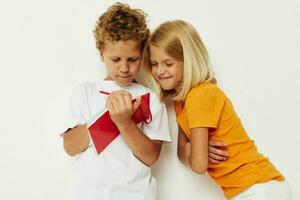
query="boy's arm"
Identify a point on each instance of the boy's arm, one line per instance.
(145, 149)
(121, 108)
(76, 140)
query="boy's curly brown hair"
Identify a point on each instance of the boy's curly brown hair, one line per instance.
(120, 22)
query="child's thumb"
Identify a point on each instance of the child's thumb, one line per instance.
(137, 103)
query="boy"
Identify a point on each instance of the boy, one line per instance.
(121, 169)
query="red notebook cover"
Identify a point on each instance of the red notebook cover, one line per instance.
(103, 131)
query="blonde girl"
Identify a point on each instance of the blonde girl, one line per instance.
(176, 64)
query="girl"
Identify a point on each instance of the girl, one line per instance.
(176, 65)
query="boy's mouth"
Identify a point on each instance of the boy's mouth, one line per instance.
(125, 77)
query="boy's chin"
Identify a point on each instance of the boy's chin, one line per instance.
(124, 83)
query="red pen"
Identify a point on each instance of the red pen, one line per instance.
(108, 93)
(103, 92)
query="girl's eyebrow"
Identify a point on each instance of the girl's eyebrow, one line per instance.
(168, 59)
(165, 60)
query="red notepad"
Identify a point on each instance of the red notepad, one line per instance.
(103, 131)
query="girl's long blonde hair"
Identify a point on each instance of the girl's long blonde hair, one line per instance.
(181, 41)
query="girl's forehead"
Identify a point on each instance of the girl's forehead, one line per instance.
(157, 52)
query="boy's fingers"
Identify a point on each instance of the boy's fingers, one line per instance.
(122, 103)
(121, 92)
(128, 102)
(137, 103)
(110, 106)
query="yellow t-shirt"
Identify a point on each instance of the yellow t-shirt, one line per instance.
(207, 106)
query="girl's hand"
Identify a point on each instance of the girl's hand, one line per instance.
(216, 154)
(187, 150)
(120, 107)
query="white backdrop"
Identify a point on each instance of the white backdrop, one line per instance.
(47, 47)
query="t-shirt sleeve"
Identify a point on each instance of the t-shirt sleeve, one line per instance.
(78, 109)
(158, 128)
(204, 107)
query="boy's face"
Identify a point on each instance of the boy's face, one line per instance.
(122, 60)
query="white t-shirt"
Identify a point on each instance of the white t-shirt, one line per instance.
(114, 174)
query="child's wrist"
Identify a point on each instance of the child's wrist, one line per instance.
(125, 125)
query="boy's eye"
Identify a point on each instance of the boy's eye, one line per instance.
(115, 59)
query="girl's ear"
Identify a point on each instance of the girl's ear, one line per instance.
(101, 57)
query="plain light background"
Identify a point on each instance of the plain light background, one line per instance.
(47, 48)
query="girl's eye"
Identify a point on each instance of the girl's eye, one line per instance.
(153, 64)
(169, 64)
(132, 59)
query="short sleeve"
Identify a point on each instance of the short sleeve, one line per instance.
(158, 128)
(204, 106)
(78, 109)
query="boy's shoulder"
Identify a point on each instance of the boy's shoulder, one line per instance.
(84, 87)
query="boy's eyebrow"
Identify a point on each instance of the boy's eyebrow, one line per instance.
(121, 56)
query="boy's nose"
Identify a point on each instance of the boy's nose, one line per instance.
(124, 67)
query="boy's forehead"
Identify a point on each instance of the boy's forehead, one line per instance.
(124, 43)
(125, 46)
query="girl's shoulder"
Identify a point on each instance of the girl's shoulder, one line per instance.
(205, 88)
(205, 91)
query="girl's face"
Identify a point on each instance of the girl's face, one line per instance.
(122, 60)
(166, 70)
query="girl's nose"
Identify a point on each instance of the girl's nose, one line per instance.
(161, 70)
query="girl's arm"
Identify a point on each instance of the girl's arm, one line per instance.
(183, 147)
(199, 150)
(76, 140)
(121, 108)
(215, 149)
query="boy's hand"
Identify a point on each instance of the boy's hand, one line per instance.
(120, 107)
(216, 154)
